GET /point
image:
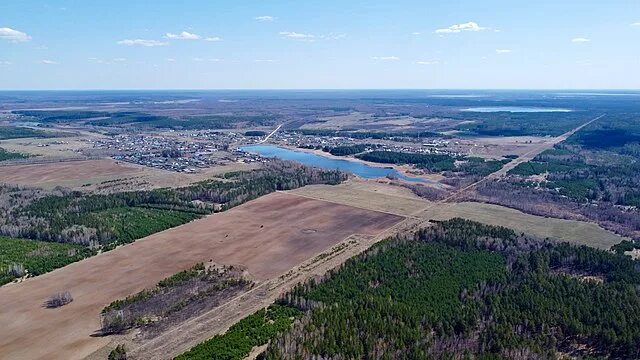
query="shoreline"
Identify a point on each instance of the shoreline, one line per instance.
(430, 179)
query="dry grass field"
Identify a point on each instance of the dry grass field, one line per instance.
(106, 175)
(70, 174)
(367, 194)
(62, 147)
(577, 232)
(402, 201)
(269, 236)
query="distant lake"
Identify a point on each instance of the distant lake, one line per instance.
(355, 167)
(514, 109)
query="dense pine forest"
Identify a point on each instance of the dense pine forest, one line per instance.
(460, 289)
(430, 162)
(254, 330)
(19, 257)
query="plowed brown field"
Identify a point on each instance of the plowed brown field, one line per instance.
(269, 236)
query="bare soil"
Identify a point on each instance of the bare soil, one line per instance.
(66, 173)
(268, 235)
(106, 175)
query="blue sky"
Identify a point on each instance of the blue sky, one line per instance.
(331, 44)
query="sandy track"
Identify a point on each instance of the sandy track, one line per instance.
(269, 235)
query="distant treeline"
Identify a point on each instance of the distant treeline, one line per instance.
(348, 149)
(138, 119)
(522, 124)
(431, 162)
(10, 155)
(369, 134)
(16, 132)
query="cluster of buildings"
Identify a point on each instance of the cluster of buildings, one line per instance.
(435, 146)
(174, 153)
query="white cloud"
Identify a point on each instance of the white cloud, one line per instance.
(264, 60)
(13, 35)
(580, 40)
(171, 60)
(504, 51)
(297, 36)
(106, 62)
(199, 59)
(426, 62)
(333, 37)
(213, 38)
(470, 26)
(636, 24)
(142, 42)
(310, 37)
(416, 33)
(49, 62)
(265, 18)
(2, 62)
(183, 36)
(386, 58)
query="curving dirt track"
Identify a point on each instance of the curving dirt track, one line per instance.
(269, 235)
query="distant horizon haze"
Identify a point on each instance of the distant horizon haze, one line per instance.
(286, 45)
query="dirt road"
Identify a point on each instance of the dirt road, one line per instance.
(528, 156)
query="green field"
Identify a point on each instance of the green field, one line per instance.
(36, 257)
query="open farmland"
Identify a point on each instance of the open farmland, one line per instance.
(269, 236)
(371, 195)
(577, 232)
(54, 147)
(105, 175)
(71, 173)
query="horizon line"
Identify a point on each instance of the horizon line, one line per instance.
(324, 89)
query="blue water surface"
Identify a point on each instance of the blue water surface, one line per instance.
(355, 167)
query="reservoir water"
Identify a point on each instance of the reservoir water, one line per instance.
(514, 109)
(358, 168)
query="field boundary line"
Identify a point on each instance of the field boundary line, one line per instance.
(343, 204)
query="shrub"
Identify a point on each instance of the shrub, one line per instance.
(59, 299)
(119, 353)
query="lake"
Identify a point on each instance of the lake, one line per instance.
(514, 109)
(355, 167)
